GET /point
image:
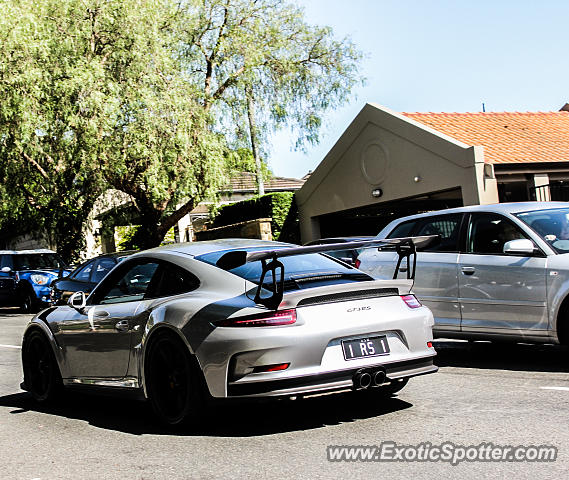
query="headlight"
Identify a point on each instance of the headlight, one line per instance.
(40, 279)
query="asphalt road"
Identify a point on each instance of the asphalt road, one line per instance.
(503, 394)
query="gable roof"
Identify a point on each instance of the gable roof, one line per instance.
(507, 137)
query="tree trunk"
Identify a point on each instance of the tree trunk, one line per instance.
(253, 136)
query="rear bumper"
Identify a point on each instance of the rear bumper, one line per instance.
(337, 380)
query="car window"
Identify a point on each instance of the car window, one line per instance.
(403, 229)
(171, 280)
(6, 261)
(487, 233)
(32, 261)
(130, 285)
(551, 224)
(101, 268)
(447, 227)
(301, 271)
(84, 273)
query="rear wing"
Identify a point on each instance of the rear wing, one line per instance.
(405, 247)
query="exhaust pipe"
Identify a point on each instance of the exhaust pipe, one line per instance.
(379, 378)
(362, 380)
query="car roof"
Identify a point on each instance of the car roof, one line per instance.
(511, 207)
(209, 246)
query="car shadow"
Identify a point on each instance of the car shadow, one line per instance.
(10, 312)
(502, 356)
(225, 418)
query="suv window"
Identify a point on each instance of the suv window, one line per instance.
(487, 233)
(447, 227)
(32, 261)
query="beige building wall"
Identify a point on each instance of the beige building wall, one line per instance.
(383, 150)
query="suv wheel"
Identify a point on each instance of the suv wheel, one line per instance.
(29, 302)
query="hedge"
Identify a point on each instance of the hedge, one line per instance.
(279, 206)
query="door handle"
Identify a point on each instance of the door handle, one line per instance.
(122, 326)
(101, 314)
(468, 270)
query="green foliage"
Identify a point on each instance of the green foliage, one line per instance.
(145, 96)
(272, 205)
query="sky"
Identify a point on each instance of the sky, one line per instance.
(441, 56)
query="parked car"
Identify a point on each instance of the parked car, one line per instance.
(230, 318)
(25, 276)
(499, 272)
(348, 256)
(85, 277)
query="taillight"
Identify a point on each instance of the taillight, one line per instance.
(411, 301)
(357, 263)
(283, 317)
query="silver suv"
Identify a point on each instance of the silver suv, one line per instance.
(498, 272)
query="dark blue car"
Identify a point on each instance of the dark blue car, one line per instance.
(25, 277)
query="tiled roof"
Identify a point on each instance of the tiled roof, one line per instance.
(246, 182)
(507, 137)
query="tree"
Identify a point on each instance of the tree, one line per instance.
(94, 95)
(47, 141)
(261, 66)
(145, 96)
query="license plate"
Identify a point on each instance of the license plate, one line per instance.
(365, 347)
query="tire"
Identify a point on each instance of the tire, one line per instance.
(41, 372)
(29, 302)
(173, 382)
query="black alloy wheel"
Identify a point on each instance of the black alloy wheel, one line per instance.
(41, 373)
(172, 381)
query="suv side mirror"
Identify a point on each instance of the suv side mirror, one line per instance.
(521, 246)
(78, 300)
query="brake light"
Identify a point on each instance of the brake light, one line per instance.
(411, 301)
(284, 317)
(357, 263)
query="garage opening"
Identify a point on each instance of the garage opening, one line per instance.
(369, 220)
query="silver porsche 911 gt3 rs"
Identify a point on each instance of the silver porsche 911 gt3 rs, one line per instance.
(232, 318)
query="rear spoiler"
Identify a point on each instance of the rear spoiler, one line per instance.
(405, 247)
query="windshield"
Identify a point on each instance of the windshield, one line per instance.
(34, 261)
(301, 271)
(552, 225)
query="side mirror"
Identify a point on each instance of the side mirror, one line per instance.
(78, 300)
(6, 269)
(521, 246)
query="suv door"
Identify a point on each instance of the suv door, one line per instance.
(500, 293)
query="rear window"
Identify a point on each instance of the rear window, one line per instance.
(301, 271)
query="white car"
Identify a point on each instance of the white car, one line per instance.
(499, 272)
(230, 318)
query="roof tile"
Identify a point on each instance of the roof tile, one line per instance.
(507, 137)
